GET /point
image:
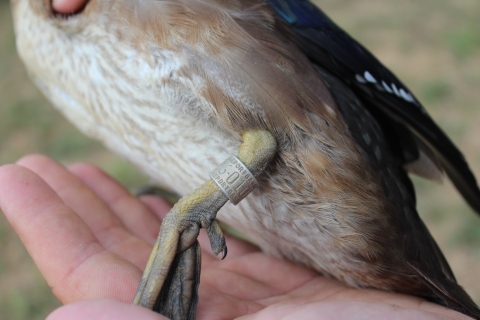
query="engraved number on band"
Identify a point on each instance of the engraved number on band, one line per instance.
(234, 178)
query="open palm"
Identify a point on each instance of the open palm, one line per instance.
(91, 239)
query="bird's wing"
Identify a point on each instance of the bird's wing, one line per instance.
(412, 129)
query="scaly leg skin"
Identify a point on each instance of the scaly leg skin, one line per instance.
(170, 282)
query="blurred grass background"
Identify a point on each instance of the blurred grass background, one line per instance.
(432, 45)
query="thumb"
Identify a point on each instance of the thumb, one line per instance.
(104, 309)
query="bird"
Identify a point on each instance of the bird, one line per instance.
(176, 86)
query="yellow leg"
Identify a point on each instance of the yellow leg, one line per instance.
(175, 259)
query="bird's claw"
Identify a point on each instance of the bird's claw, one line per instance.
(217, 240)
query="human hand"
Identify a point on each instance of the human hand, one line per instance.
(91, 240)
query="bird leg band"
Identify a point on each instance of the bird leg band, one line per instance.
(170, 282)
(234, 179)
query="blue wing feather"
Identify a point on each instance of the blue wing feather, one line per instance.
(330, 47)
(302, 13)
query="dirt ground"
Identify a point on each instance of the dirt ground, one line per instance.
(432, 45)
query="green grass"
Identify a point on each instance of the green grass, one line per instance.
(464, 40)
(435, 91)
(433, 45)
(468, 234)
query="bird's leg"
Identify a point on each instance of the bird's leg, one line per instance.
(170, 282)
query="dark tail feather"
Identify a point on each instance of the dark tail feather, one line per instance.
(459, 300)
(452, 296)
(439, 277)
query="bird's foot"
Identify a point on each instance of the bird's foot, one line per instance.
(170, 282)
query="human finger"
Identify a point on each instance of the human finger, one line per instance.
(103, 309)
(341, 310)
(134, 214)
(67, 253)
(106, 227)
(279, 274)
(160, 207)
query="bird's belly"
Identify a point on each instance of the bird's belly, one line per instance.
(180, 157)
(179, 152)
(300, 240)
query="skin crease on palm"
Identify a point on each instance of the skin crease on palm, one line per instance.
(91, 240)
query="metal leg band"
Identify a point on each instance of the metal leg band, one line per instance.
(234, 179)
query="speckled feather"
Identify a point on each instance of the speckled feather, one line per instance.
(171, 85)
